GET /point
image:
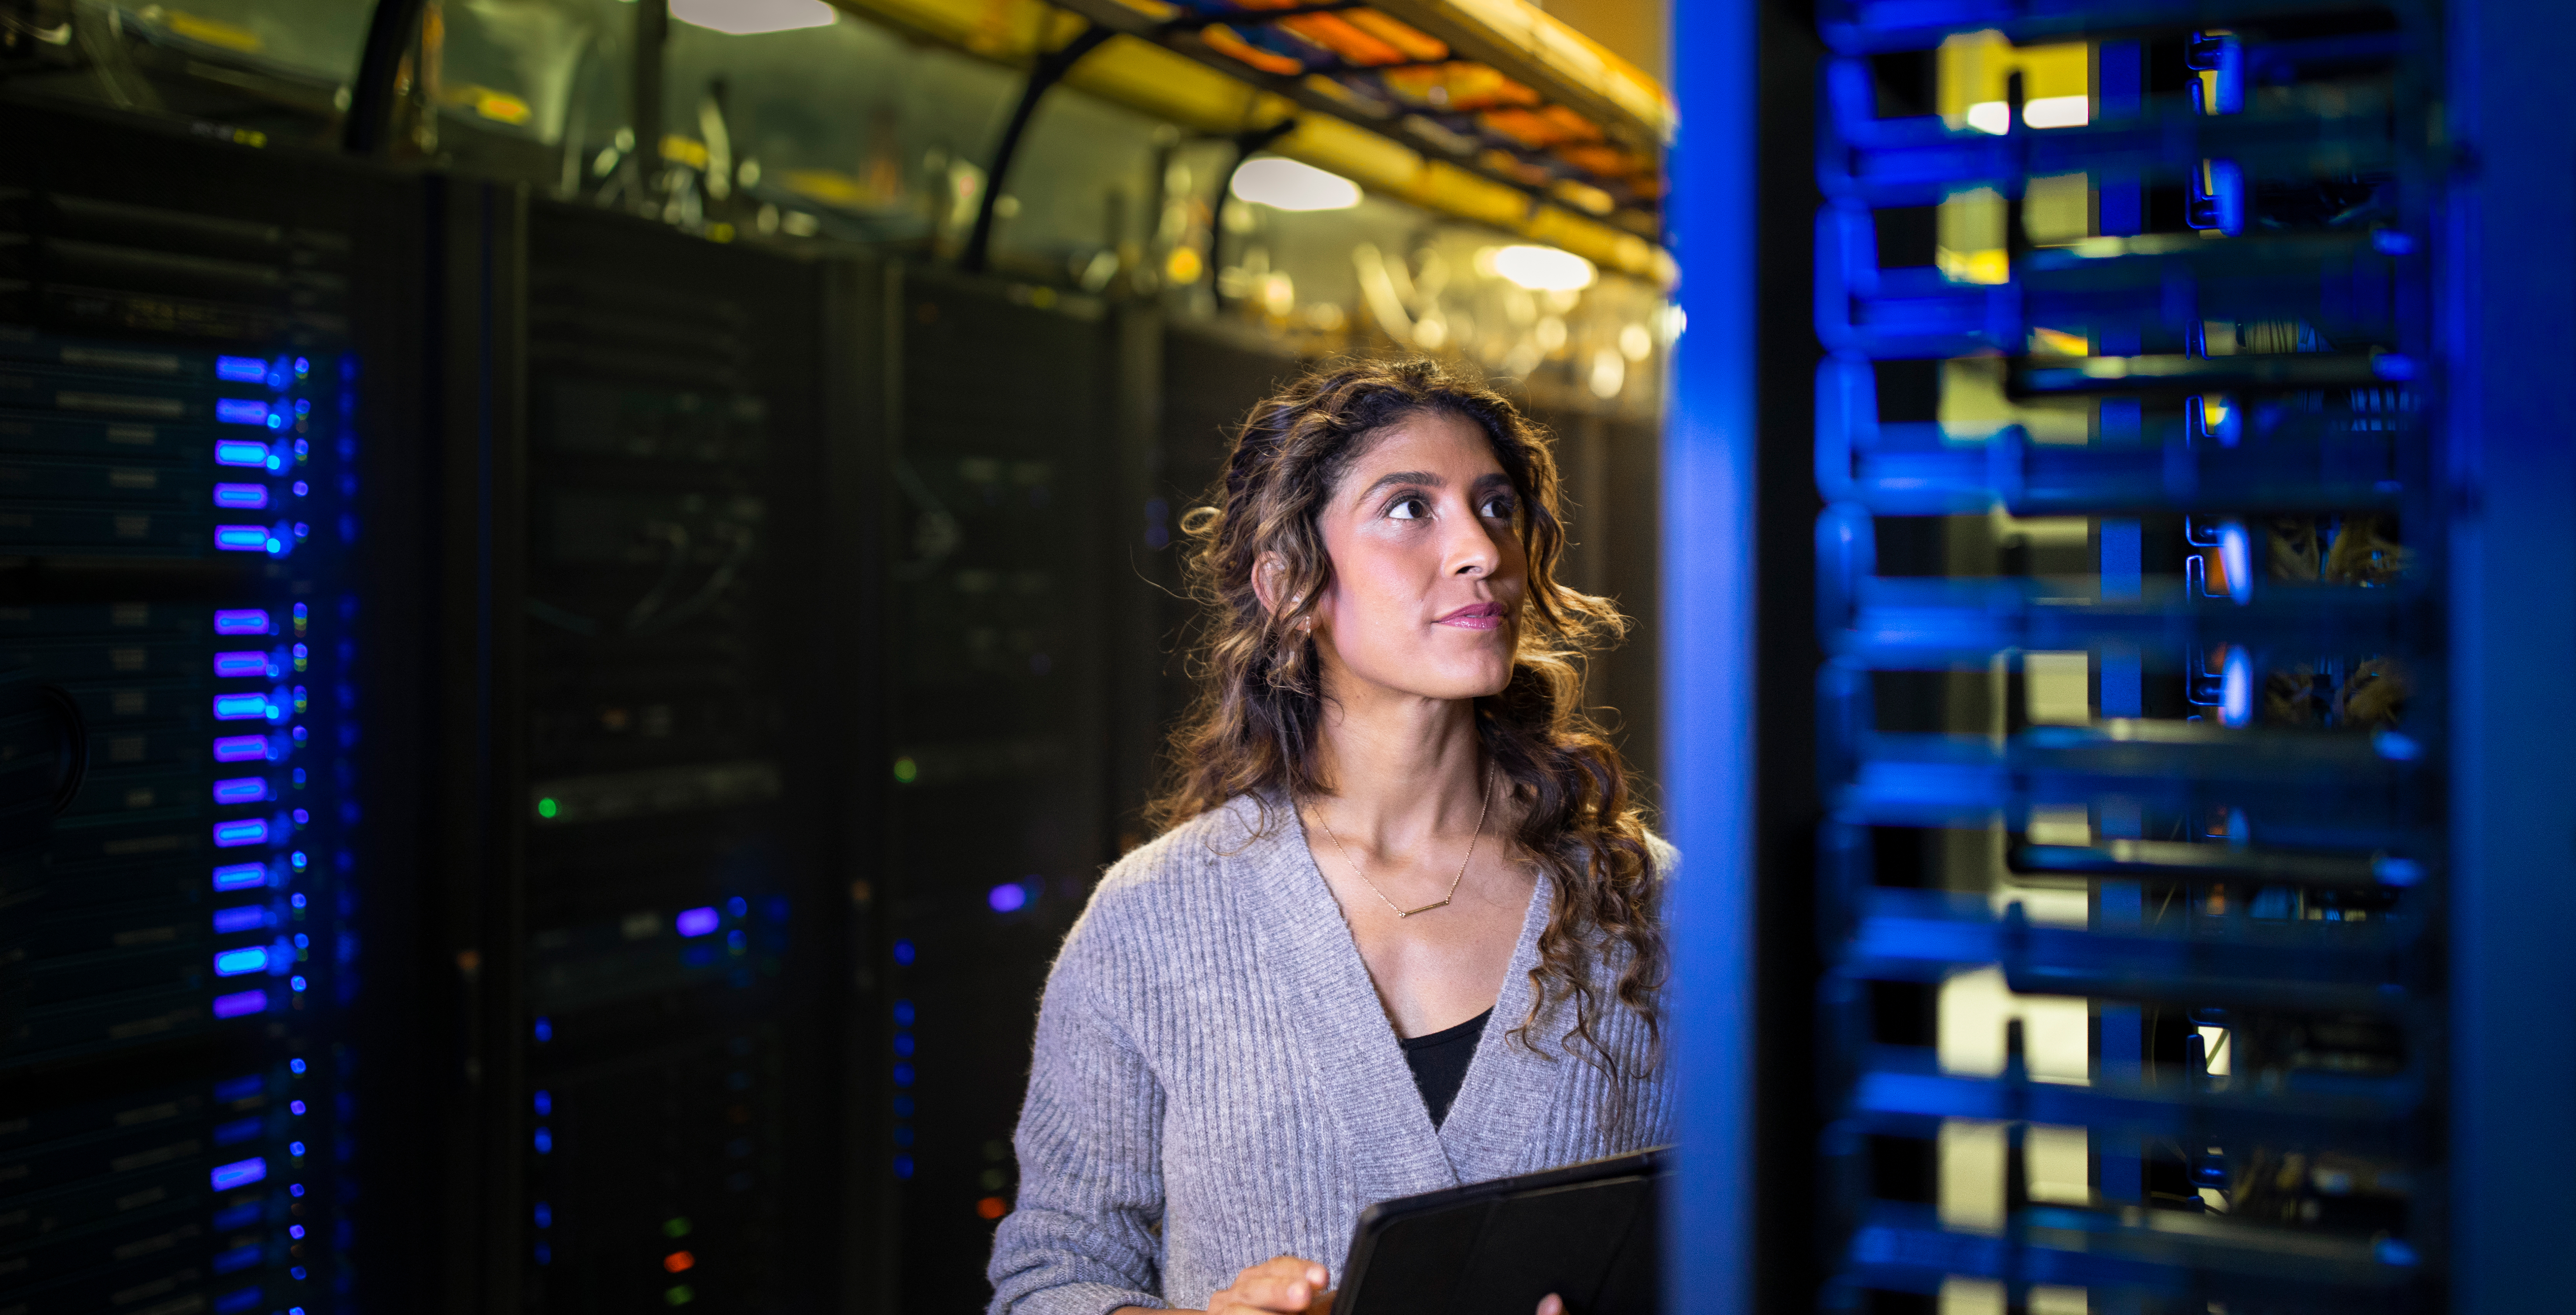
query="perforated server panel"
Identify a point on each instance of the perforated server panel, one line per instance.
(1000, 818)
(180, 440)
(685, 695)
(2134, 875)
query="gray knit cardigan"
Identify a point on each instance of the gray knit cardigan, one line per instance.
(1216, 1083)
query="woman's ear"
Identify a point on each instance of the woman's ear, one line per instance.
(1269, 582)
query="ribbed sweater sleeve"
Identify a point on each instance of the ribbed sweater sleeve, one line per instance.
(1082, 1238)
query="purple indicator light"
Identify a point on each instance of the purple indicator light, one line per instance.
(1009, 898)
(241, 707)
(241, 369)
(249, 959)
(240, 876)
(241, 663)
(241, 748)
(241, 411)
(241, 452)
(242, 831)
(695, 922)
(240, 1003)
(241, 538)
(249, 496)
(239, 1173)
(241, 790)
(241, 621)
(240, 917)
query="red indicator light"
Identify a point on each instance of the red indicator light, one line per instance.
(678, 1260)
(992, 1207)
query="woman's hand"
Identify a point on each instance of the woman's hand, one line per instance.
(1285, 1284)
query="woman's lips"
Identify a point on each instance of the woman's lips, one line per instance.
(1475, 616)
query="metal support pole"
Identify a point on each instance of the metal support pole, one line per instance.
(369, 128)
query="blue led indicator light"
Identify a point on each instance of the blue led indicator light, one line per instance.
(903, 1013)
(1010, 897)
(545, 1215)
(242, 411)
(241, 790)
(240, 876)
(903, 1075)
(295, 1107)
(240, 707)
(241, 831)
(241, 748)
(250, 497)
(545, 1103)
(545, 1030)
(241, 452)
(295, 983)
(239, 1173)
(903, 1166)
(295, 1065)
(241, 663)
(240, 917)
(241, 538)
(296, 899)
(545, 1141)
(237, 1303)
(241, 621)
(295, 1148)
(295, 1189)
(903, 952)
(241, 369)
(695, 922)
(903, 1043)
(233, 963)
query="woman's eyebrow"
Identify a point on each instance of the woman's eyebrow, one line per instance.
(1422, 477)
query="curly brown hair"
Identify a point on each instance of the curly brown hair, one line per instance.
(1253, 730)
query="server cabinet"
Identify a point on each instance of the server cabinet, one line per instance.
(2134, 878)
(688, 707)
(193, 342)
(1000, 815)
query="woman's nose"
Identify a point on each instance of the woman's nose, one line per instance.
(1469, 547)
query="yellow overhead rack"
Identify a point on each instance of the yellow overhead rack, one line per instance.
(1163, 62)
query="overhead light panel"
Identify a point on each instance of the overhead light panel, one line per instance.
(744, 18)
(1285, 184)
(1544, 269)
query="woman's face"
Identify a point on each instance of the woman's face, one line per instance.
(1428, 573)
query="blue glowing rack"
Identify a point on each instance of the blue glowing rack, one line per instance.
(2322, 414)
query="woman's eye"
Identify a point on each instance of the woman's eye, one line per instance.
(1499, 508)
(1408, 508)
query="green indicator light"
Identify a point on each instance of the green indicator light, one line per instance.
(547, 808)
(906, 770)
(675, 1227)
(678, 1296)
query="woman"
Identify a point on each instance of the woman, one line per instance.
(1402, 932)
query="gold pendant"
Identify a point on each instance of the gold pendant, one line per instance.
(1407, 913)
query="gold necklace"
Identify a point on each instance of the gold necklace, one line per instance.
(1484, 791)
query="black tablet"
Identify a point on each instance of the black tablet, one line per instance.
(1586, 1232)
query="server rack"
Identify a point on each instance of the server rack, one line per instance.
(686, 728)
(2134, 877)
(189, 409)
(998, 756)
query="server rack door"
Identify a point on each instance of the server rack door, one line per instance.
(1000, 816)
(2134, 879)
(186, 333)
(685, 736)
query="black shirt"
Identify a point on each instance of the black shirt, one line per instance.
(1439, 1062)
